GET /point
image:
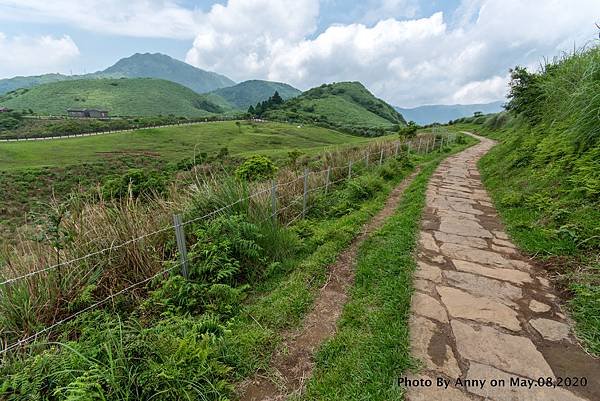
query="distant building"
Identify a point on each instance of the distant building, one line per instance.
(87, 113)
(4, 109)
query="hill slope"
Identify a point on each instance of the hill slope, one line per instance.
(137, 66)
(348, 106)
(121, 97)
(441, 113)
(248, 93)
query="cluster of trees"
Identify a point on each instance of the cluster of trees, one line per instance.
(261, 107)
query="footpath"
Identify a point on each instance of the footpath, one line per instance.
(485, 322)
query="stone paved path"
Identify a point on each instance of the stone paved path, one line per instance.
(480, 310)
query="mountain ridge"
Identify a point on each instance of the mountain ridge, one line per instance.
(442, 113)
(138, 65)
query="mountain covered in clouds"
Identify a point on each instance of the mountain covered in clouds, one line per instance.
(145, 65)
(442, 113)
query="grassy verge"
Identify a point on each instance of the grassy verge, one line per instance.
(371, 348)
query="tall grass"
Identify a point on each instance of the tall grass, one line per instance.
(100, 229)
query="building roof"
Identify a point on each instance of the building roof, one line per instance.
(84, 110)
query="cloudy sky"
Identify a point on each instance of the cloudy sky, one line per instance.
(409, 52)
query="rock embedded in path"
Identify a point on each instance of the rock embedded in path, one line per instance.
(461, 304)
(538, 307)
(427, 306)
(425, 340)
(429, 272)
(514, 276)
(484, 286)
(550, 329)
(507, 352)
(466, 228)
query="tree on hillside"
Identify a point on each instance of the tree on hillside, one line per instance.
(525, 95)
(276, 98)
(409, 131)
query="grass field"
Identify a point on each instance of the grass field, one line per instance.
(172, 143)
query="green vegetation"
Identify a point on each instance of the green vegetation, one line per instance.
(32, 173)
(186, 338)
(121, 97)
(347, 106)
(171, 143)
(544, 176)
(371, 347)
(256, 168)
(248, 93)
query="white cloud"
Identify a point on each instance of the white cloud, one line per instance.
(35, 55)
(241, 38)
(407, 62)
(462, 57)
(141, 18)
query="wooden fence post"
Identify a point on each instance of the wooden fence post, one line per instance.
(305, 196)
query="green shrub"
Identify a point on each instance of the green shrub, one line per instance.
(363, 187)
(135, 183)
(256, 168)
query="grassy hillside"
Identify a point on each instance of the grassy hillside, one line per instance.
(348, 106)
(248, 93)
(121, 97)
(146, 65)
(164, 67)
(545, 176)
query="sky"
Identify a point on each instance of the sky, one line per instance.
(408, 52)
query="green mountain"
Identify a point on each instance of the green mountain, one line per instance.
(248, 93)
(348, 106)
(121, 97)
(137, 66)
(442, 113)
(164, 67)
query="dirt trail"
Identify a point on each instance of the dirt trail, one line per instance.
(293, 363)
(481, 310)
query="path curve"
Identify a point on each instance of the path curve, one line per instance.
(481, 310)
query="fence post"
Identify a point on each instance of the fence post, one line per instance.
(350, 169)
(420, 143)
(367, 159)
(305, 196)
(381, 157)
(180, 236)
(274, 200)
(396, 150)
(327, 178)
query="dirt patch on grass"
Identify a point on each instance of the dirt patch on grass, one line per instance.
(293, 363)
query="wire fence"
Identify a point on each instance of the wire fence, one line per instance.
(321, 180)
(15, 138)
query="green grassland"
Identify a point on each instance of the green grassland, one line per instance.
(121, 97)
(33, 172)
(348, 106)
(172, 143)
(544, 177)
